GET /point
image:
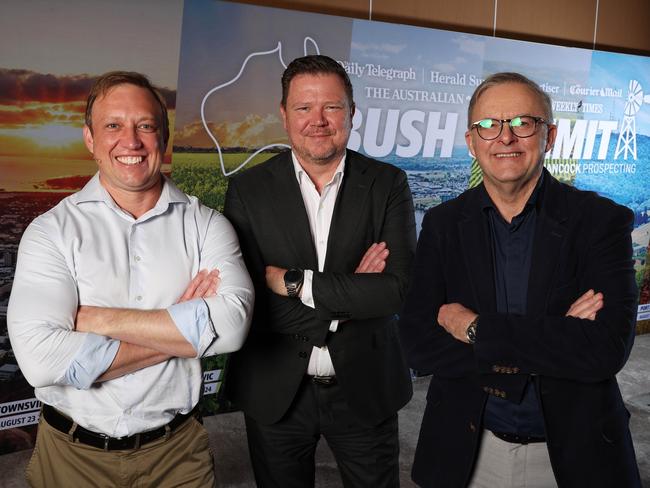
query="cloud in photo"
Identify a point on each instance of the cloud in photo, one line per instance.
(19, 85)
(254, 131)
(469, 45)
(382, 50)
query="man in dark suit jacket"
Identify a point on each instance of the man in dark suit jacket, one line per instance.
(522, 306)
(328, 236)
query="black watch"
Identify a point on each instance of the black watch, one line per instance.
(293, 279)
(471, 330)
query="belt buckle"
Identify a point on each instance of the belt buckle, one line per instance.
(106, 441)
(324, 380)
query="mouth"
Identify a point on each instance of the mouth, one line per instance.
(508, 155)
(130, 160)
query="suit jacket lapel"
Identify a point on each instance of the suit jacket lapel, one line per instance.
(476, 249)
(549, 235)
(290, 209)
(349, 208)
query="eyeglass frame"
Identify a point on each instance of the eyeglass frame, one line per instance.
(538, 121)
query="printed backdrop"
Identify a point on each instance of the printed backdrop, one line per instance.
(411, 86)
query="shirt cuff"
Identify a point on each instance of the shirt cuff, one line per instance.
(191, 319)
(91, 360)
(334, 325)
(307, 296)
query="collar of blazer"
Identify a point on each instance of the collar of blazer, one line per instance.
(348, 214)
(476, 247)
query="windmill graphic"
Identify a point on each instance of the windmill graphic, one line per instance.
(627, 138)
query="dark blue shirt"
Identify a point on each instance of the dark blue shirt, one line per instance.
(512, 250)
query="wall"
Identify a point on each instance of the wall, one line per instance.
(609, 25)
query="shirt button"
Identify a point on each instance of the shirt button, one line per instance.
(139, 298)
(127, 411)
(137, 258)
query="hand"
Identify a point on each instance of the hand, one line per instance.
(374, 260)
(275, 280)
(586, 306)
(455, 318)
(203, 285)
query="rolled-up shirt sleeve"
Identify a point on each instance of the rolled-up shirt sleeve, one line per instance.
(219, 324)
(95, 357)
(41, 317)
(191, 318)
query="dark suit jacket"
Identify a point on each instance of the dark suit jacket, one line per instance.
(374, 204)
(582, 241)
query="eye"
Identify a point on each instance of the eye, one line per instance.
(523, 121)
(486, 123)
(112, 125)
(147, 127)
(333, 107)
(518, 122)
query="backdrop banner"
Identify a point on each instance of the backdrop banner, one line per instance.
(411, 86)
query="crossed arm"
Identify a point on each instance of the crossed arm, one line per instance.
(589, 340)
(455, 318)
(373, 261)
(51, 336)
(147, 337)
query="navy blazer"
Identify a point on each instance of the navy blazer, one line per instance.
(582, 241)
(374, 204)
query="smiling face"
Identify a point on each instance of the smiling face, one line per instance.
(508, 160)
(126, 141)
(317, 118)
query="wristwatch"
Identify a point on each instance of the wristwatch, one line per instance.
(293, 279)
(471, 330)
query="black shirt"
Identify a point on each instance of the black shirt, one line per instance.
(512, 250)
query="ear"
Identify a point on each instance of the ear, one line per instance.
(88, 139)
(551, 134)
(283, 113)
(470, 143)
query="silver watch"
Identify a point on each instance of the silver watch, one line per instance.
(471, 330)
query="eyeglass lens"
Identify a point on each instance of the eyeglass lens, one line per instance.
(522, 126)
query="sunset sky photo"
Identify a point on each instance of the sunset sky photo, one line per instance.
(50, 53)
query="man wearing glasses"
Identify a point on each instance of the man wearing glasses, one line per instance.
(522, 306)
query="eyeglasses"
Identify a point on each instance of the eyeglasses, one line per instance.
(521, 126)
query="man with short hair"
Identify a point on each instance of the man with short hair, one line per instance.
(328, 236)
(522, 306)
(105, 317)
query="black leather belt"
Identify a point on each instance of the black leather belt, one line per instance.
(63, 424)
(323, 380)
(518, 439)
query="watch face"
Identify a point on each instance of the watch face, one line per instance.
(471, 333)
(293, 276)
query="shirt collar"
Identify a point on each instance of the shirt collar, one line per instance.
(487, 203)
(301, 173)
(93, 191)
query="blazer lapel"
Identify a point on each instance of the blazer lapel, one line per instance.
(476, 249)
(349, 208)
(290, 208)
(549, 235)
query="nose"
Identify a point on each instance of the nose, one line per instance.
(131, 138)
(318, 117)
(507, 136)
